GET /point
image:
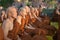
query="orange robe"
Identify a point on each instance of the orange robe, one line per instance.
(0, 20)
(1, 34)
(17, 29)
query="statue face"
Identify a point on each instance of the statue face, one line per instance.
(27, 9)
(11, 12)
(3, 13)
(23, 12)
(32, 10)
(14, 13)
